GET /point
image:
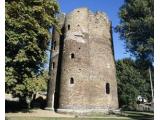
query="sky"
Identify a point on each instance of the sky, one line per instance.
(110, 7)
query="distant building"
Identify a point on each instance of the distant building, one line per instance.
(83, 74)
(141, 99)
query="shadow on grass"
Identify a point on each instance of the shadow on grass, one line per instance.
(15, 106)
(139, 115)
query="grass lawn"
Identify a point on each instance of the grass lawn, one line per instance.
(139, 115)
(41, 118)
(127, 115)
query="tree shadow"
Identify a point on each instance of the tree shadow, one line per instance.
(22, 106)
(39, 103)
(15, 106)
(139, 115)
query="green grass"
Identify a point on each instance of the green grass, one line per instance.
(139, 115)
(41, 118)
(127, 115)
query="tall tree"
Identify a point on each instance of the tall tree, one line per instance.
(27, 38)
(132, 81)
(128, 79)
(136, 28)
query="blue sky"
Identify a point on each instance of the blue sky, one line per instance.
(110, 7)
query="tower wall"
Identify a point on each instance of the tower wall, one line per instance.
(54, 64)
(88, 78)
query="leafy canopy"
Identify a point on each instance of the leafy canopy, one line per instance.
(27, 38)
(132, 81)
(136, 28)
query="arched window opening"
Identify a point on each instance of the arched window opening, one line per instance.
(71, 80)
(107, 88)
(68, 27)
(72, 55)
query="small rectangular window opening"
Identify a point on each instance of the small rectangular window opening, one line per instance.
(107, 88)
(54, 44)
(72, 55)
(71, 80)
(68, 27)
(53, 65)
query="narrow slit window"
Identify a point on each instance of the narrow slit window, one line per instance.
(53, 65)
(71, 80)
(72, 55)
(68, 27)
(54, 45)
(107, 88)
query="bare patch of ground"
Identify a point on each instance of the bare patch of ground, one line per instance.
(38, 113)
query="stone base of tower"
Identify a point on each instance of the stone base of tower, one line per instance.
(50, 109)
(88, 111)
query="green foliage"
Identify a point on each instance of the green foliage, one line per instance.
(132, 81)
(136, 28)
(37, 83)
(27, 38)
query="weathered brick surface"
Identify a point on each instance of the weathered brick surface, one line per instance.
(88, 37)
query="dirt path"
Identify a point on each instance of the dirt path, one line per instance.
(38, 113)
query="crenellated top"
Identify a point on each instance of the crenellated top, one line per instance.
(82, 21)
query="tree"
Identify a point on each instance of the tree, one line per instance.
(136, 28)
(27, 39)
(142, 66)
(132, 82)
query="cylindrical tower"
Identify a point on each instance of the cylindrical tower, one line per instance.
(54, 63)
(88, 76)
